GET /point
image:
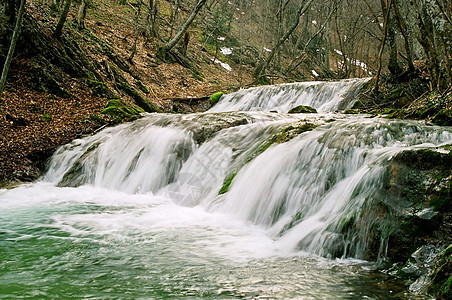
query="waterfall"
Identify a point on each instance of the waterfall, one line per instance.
(306, 193)
(312, 181)
(324, 96)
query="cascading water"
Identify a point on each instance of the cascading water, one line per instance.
(324, 96)
(213, 205)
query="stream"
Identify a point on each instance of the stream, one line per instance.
(236, 202)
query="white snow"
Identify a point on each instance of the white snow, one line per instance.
(356, 62)
(315, 73)
(338, 52)
(221, 38)
(224, 65)
(268, 50)
(314, 22)
(226, 50)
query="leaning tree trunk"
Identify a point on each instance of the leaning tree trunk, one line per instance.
(62, 19)
(81, 14)
(163, 51)
(262, 67)
(12, 46)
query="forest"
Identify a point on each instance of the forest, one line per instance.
(78, 74)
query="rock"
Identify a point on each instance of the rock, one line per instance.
(302, 109)
(119, 111)
(215, 98)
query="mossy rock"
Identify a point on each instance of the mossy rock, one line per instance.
(443, 118)
(395, 113)
(285, 135)
(302, 109)
(227, 182)
(100, 89)
(215, 98)
(441, 284)
(142, 87)
(119, 111)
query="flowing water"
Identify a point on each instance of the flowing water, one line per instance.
(136, 211)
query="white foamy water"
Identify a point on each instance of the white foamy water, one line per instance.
(324, 96)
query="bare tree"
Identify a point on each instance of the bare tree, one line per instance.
(164, 50)
(382, 47)
(12, 46)
(59, 28)
(152, 18)
(136, 29)
(81, 14)
(263, 66)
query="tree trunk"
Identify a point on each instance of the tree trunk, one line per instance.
(262, 67)
(12, 46)
(393, 66)
(163, 51)
(427, 39)
(382, 47)
(135, 38)
(403, 29)
(81, 14)
(59, 28)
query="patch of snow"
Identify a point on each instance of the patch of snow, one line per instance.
(315, 73)
(268, 50)
(221, 38)
(226, 50)
(314, 22)
(224, 65)
(356, 62)
(338, 52)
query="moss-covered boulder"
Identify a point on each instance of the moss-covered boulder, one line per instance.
(117, 111)
(100, 89)
(441, 284)
(303, 109)
(419, 191)
(284, 135)
(215, 98)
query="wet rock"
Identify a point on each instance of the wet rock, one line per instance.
(302, 109)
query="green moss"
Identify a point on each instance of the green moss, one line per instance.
(118, 111)
(388, 111)
(443, 117)
(46, 117)
(264, 80)
(351, 111)
(443, 201)
(283, 136)
(441, 284)
(142, 87)
(396, 114)
(100, 89)
(94, 118)
(227, 182)
(215, 98)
